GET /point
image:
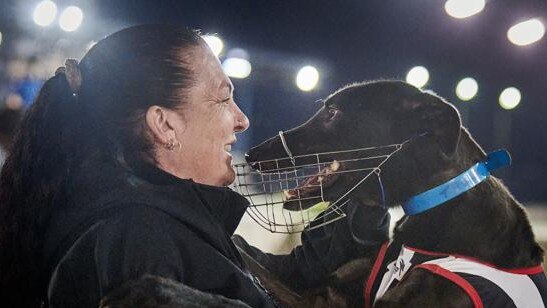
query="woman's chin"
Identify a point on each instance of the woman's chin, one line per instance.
(231, 177)
(227, 177)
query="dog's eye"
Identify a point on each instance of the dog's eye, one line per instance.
(332, 113)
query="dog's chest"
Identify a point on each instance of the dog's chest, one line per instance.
(486, 286)
(396, 271)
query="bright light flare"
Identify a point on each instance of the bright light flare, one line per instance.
(215, 43)
(510, 98)
(463, 8)
(237, 67)
(418, 76)
(71, 18)
(0, 38)
(307, 78)
(526, 32)
(237, 64)
(44, 13)
(467, 88)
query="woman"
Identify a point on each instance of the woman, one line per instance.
(119, 170)
(148, 95)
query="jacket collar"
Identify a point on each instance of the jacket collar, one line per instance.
(223, 203)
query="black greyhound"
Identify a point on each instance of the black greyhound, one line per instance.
(483, 223)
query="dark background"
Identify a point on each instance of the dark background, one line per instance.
(347, 41)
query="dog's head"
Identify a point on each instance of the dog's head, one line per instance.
(360, 116)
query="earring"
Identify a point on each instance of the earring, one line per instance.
(171, 145)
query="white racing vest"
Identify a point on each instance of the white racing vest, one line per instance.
(485, 284)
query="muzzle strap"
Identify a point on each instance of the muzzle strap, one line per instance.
(382, 191)
(286, 147)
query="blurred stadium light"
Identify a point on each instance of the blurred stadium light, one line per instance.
(0, 38)
(418, 76)
(44, 13)
(237, 64)
(215, 43)
(237, 67)
(509, 98)
(526, 32)
(307, 78)
(71, 18)
(463, 8)
(467, 88)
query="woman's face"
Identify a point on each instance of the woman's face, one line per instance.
(207, 123)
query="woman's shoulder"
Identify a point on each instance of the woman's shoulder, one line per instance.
(136, 232)
(142, 220)
(118, 248)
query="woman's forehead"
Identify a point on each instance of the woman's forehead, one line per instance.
(226, 84)
(209, 70)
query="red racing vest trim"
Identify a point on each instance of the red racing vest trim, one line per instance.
(485, 284)
(374, 273)
(455, 278)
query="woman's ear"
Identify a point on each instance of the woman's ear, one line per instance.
(157, 120)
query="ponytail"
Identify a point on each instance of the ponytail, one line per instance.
(31, 179)
(95, 115)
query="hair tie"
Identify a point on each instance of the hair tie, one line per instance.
(72, 75)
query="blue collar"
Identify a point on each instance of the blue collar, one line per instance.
(457, 185)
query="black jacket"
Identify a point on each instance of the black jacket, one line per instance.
(325, 249)
(115, 225)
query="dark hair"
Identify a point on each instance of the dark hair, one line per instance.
(122, 76)
(9, 120)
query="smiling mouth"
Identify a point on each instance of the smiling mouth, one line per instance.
(309, 191)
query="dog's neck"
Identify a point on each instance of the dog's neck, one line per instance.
(485, 222)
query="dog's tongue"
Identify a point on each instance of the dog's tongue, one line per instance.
(312, 183)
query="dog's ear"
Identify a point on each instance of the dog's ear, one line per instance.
(437, 118)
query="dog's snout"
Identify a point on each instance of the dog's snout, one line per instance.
(268, 155)
(251, 159)
(261, 152)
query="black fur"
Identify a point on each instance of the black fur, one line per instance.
(486, 222)
(155, 292)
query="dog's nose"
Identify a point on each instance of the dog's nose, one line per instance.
(248, 157)
(251, 159)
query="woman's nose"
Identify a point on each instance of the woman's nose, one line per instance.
(242, 122)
